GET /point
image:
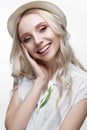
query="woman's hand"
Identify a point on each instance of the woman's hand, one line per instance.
(38, 68)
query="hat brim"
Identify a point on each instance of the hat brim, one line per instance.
(50, 7)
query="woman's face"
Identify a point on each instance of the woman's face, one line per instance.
(38, 38)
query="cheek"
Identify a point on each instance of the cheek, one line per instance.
(57, 44)
(49, 33)
(28, 47)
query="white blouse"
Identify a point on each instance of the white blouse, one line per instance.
(50, 117)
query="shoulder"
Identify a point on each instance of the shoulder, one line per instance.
(77, 73)
(79, 76)
(79, 83)
(24, 86)
(23, 81)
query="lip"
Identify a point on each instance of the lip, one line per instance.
(44, 50)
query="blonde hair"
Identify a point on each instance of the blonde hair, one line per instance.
(65, 55)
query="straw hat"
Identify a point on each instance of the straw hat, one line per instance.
(44, 5)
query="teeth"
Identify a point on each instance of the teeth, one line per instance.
(43, 49)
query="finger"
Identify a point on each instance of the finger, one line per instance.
(35, 66)
(25, 52)
(29, 58)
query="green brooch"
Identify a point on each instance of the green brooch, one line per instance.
(47, 97)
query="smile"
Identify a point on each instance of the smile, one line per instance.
(44, 49)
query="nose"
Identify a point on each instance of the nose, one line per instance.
(38, 39)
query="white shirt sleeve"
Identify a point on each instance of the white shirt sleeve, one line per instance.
(80, 91)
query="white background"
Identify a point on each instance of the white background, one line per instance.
(76, 13)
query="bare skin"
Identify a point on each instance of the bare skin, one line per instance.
(23, 111)
(75, 117)
(17, 111)
(18, 114)
(43, 72)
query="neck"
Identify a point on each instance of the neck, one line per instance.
(51, 67)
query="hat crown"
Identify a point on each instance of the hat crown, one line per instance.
(44, 5)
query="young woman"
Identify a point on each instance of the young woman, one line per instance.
(50, 85)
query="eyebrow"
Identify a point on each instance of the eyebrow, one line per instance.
(37, 26)
(41, 23)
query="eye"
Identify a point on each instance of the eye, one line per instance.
(42, 29)
(26, 39)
